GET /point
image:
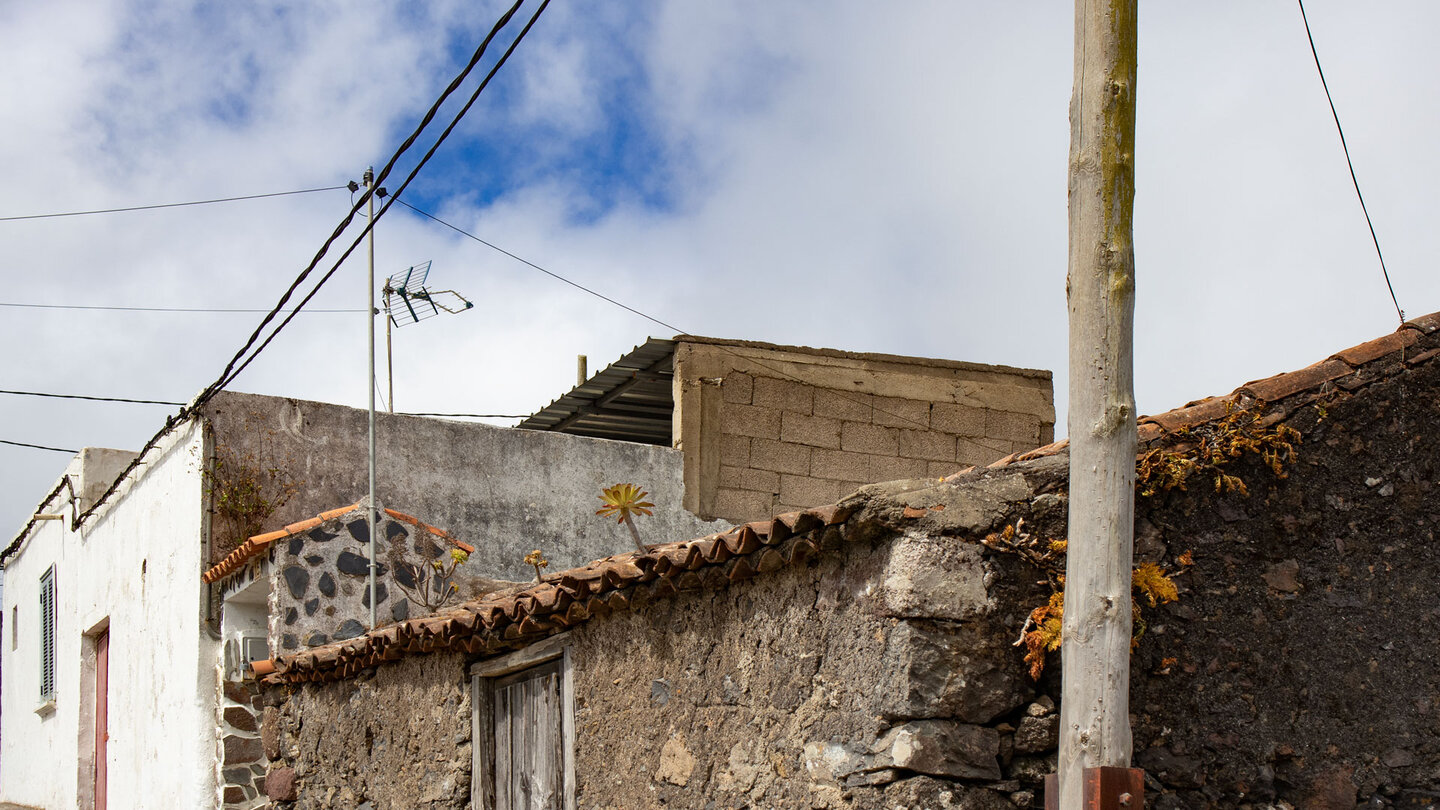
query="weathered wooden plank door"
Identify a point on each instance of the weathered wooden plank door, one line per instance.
(529, 766)
(102, 715)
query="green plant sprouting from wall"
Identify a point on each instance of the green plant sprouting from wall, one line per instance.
(624, 501)
(1207, 449)
(1203, 450)
(433, 581)
(245, 490)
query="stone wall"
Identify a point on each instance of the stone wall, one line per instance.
(321, 582)
(1296, 669)
(770, 429)
(397, 739)
(241, 756)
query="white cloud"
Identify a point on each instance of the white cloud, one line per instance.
(885, 178)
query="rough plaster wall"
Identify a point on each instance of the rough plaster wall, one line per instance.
(503, 491)
(398, 740)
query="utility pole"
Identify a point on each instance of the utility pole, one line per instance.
(370, 510)
(1095, 739)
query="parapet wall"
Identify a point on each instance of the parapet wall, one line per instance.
(770, 429)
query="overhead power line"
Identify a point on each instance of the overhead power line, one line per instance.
(469, 415)
(1349, 163)
(91, 399)
(236, 365)
(38, 447)
(170, 205)
(160, 309)
(648, 317)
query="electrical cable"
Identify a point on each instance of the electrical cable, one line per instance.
(226, 376)
(651, 318)
(393, 198)
(156, 309)
(170, 205)
(38, 446)
(1349, 163)
(91, 399)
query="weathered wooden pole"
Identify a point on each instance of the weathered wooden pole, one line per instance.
(1095, 654)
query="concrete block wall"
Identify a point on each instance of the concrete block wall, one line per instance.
(769, 429)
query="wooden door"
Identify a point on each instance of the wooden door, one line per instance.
(529, 758)
(102, 715)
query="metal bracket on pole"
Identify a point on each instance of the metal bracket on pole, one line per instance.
(1104, 789)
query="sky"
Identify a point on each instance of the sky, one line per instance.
(863, 176)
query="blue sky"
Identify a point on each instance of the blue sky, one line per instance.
(871, 177)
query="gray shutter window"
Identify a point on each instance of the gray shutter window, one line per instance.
(47, 635)
(529, 752)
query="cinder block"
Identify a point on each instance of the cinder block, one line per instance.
(748, 420)
(815, 431)
(874, 439)
(1017, 427)
(843, 405)
(940, 469)
(749, 478)
(839, 465)
(910, 414)
(928, 445)
(766, 454)
(961, 420)
(968, 452)
(784, 395)
(807, 491)
(735, 451)
(740, 505)
(737, 388)
(890, 468)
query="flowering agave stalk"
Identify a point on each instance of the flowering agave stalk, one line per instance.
(433, 591)
(624, 501)
(536, 559)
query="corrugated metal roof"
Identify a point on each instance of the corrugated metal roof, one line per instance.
(631, 400)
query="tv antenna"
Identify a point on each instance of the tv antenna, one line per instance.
(408, 300)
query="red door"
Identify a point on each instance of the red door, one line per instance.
(102, 711)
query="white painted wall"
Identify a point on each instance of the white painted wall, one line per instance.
(134, 565)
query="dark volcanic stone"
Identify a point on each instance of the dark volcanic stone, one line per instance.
(400, 610)
(349, 629)
(405, 575)
(291, 615)
(297, 579)
(394, 530)
(311, 606)
(239, 750)
(326, 584)
(380, 594)
(314, 559)
(320, 535)
(296, 544)
(316, 638)
(289, 642)
(359, 529)
(280, 785)
(240, 718)
(426, 548)
(352, 564)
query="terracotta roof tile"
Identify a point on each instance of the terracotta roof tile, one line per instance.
(517, 616)
(1280, 386)
(257, 544)
(514, 617)
(1377, 348)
